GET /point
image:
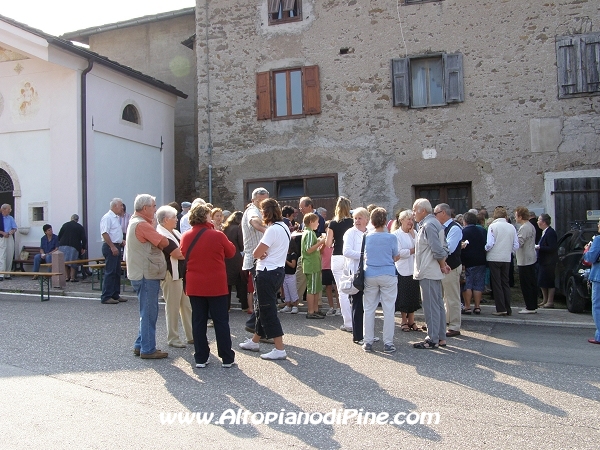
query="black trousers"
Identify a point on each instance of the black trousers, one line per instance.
(357, 316)
(500, 287)
(528, 282)
(217, 306)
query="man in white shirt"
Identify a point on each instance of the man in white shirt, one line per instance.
(112, 248)
(184, 223)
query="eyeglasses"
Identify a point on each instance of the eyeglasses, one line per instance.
(436, 213)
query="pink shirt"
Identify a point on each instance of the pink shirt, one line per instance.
(326, 257)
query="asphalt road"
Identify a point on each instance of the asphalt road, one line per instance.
(69, 380)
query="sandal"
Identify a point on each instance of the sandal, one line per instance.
(414, 327)
(477, 311)
(405, 327)
(427, 344)
(466, 311)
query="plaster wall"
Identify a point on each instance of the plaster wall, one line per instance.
(510, 80)
(155, 49)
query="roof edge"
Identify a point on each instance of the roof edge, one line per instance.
(83, 35)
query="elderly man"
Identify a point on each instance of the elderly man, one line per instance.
(185, 208)
(501, 241)
(306, 206)
(430, 267)
(72, 241)
(7, 233)
(146, 266)
(253, 229)
(112, 248)
(184, 223)
(451, 282)
(526, 259)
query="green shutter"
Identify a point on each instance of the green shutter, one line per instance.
(400, 82)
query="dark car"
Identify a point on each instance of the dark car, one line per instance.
(571, 274)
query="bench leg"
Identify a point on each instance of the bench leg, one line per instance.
(44, 282)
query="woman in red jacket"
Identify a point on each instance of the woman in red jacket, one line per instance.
(206, 284)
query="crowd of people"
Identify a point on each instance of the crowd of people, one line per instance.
(425, 257)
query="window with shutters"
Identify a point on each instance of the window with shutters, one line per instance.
(427, 80)
(284, 11)
(578, 64)
(288, 93)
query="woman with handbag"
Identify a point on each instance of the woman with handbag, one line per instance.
(205, 250)
(353, 239)
(381, 283)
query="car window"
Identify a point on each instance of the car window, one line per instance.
(564, 242)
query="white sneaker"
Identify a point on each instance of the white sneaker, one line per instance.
(201, 365)
(331, 312)
(294, 310)
(345, 328)
(528, 311)
(274, 355)
(249, 344)
(286, 309)
(338, 312)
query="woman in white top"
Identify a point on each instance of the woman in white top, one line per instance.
(408, 299)
(270, 254)
(351, 250)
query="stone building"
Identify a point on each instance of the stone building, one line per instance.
(160, 45)
(477, 103)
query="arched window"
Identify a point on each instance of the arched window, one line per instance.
(130, 114)
(6, 184)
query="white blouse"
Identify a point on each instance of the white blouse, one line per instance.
(406, 264)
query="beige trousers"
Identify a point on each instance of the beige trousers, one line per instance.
(451, 290)
(177, 304)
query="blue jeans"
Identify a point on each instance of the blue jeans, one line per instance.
(217, 306)
(596, 308)
(147, 293)
(37, 260)
(111, 285)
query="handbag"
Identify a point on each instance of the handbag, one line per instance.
(359, 276)
(184, 270)
(347, 282)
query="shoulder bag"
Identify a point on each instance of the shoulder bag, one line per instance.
(187, 254)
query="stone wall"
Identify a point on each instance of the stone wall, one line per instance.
(381, 152)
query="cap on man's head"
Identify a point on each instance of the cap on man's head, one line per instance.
(186, 205)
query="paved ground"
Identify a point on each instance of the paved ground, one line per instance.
(69, 380)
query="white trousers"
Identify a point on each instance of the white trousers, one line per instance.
(337, 267)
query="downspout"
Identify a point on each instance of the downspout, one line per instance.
(84, 178)
(209, 149)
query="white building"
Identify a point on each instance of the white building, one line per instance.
(76, 130)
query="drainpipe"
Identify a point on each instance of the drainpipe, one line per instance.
(209, 149)
(84, 178)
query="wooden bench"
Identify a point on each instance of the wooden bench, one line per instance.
(98, 274)
(43, 277)
(18, 263)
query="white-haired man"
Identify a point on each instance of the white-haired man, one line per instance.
(146, 266)
(184, 223)
(253, 229)
(7, 234)
(112, 248)
(431, 252)
(451, 282)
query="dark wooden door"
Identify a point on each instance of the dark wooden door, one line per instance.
(572, 198)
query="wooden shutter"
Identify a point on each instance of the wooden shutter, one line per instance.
(263, 95)
(274, 6)
(453, 78)
(400, 82)
(311, 90)
(590, 59)
(568, 63)
(288, 5)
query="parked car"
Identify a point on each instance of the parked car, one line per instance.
(571, 275)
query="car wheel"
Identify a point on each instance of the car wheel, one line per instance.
(575, 302)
